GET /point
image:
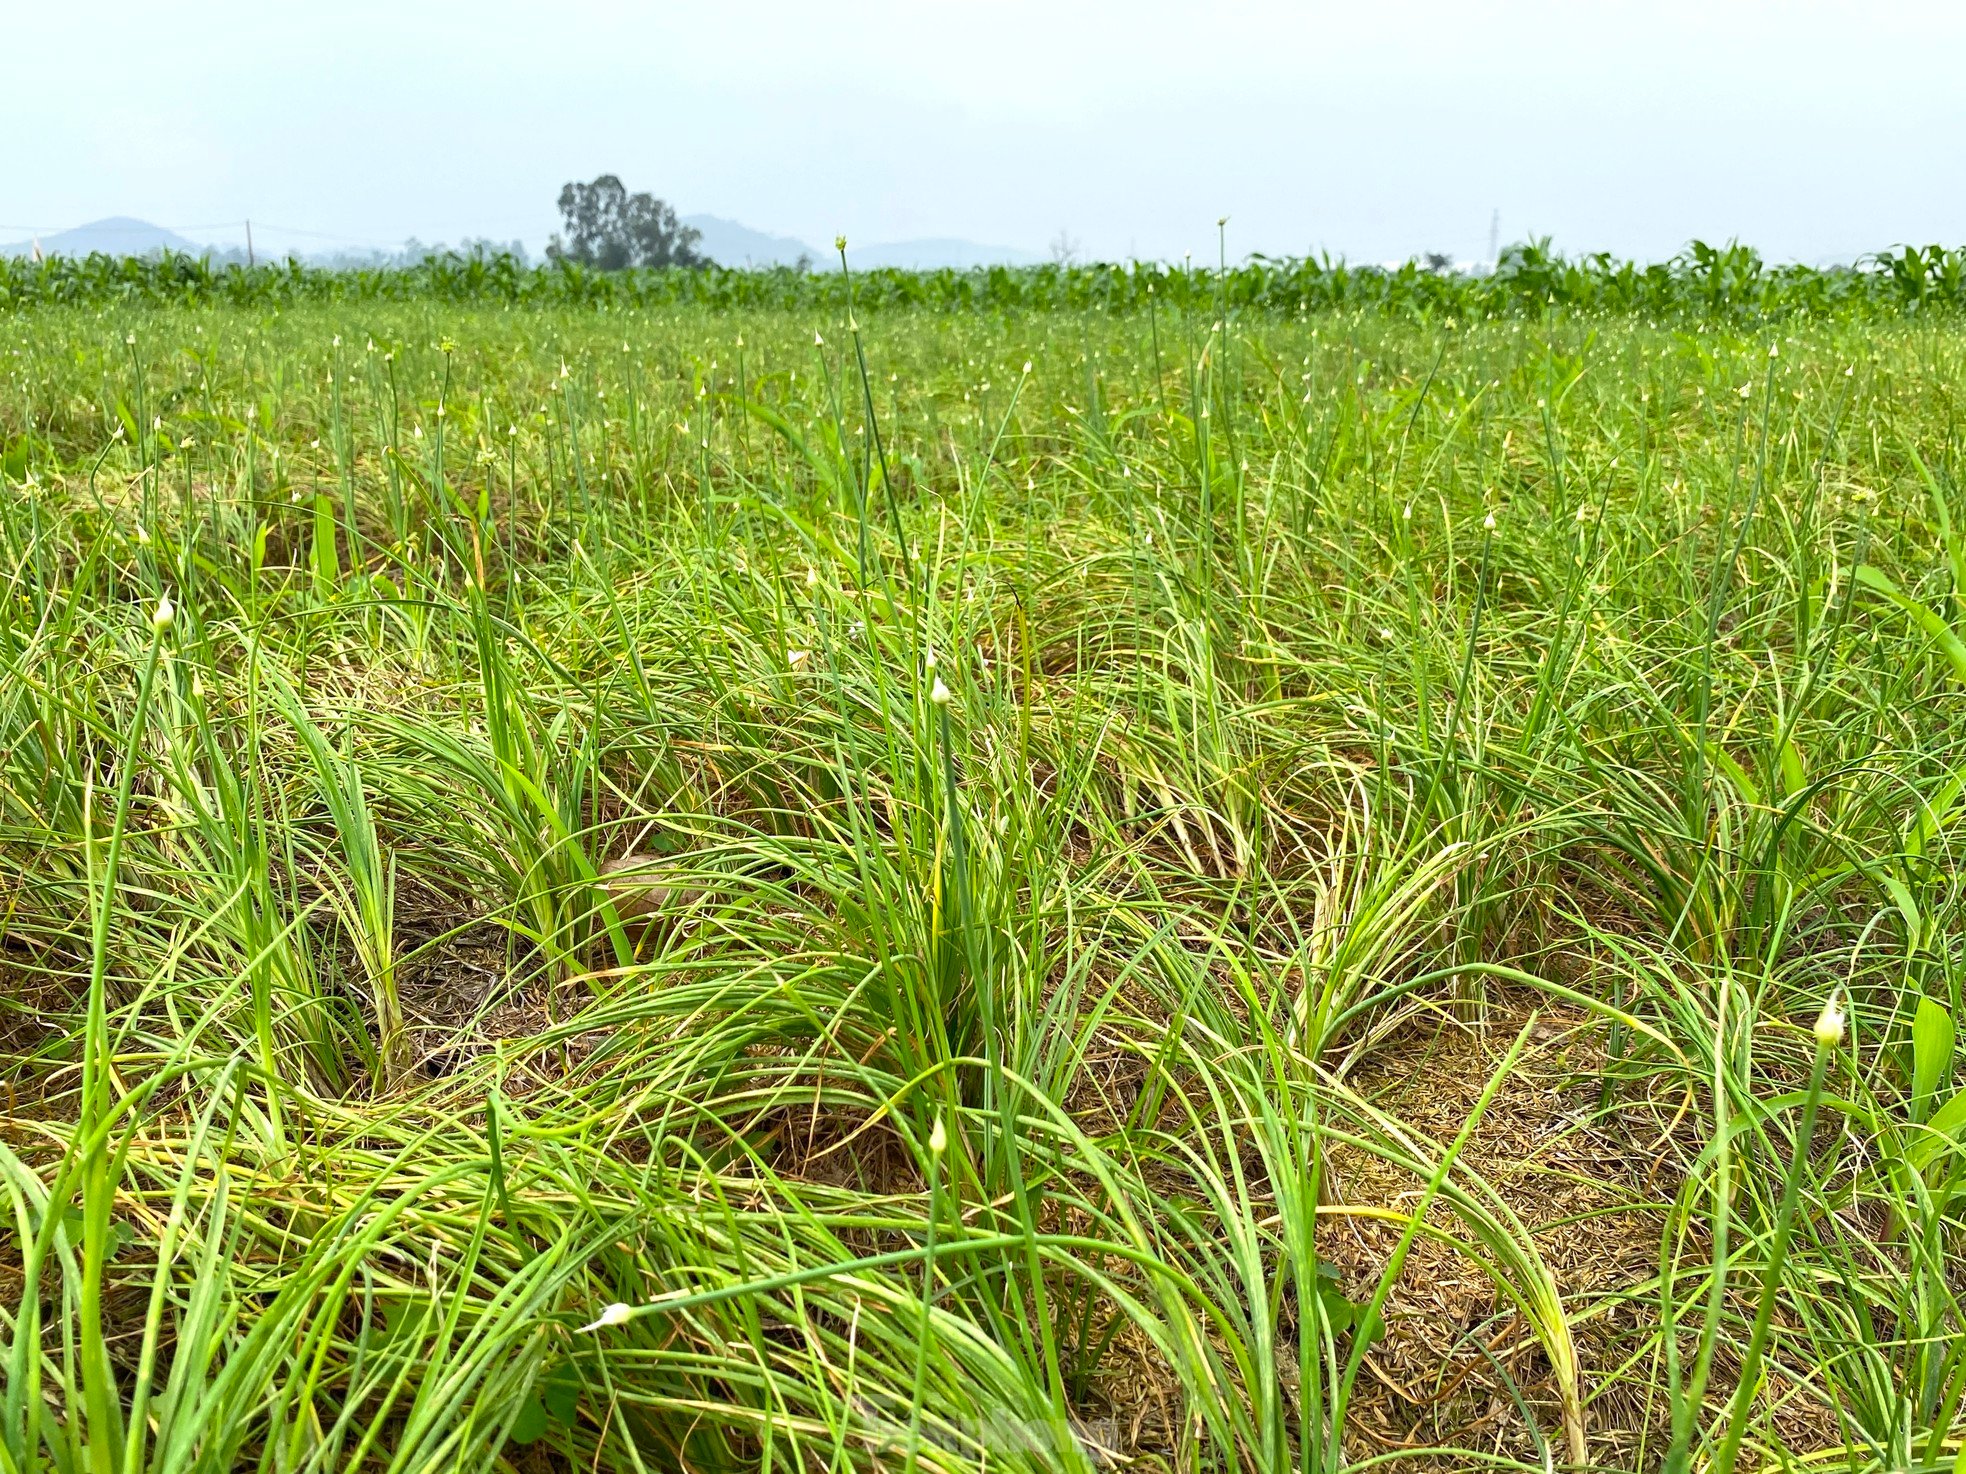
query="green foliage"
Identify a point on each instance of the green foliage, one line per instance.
(1236, 877)
(1931, 1054)
(643, 259)
(608, 229)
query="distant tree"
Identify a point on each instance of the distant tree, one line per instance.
(477, 248)
(1064, 249)
(611, 229)
(1439, 263)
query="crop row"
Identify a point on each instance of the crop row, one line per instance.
(1732, 281)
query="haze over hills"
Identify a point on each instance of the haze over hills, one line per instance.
(730, 244)
(117, 235)
(936, 252)
(727, 242)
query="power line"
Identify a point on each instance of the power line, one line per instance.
(322, 235)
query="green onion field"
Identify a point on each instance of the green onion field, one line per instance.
(1205, 873)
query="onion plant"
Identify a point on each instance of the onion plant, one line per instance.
(1202, 870)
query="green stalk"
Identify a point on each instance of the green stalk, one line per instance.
(1828, 1034)
(1687, 1402)
(938, 1143)
(101, 1399)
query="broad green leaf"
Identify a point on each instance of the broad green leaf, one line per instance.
(1794, 778)
(529, 1422)
(327, 557)
(1927, 619)
(1931, 1053)
(1902, 898)
(1947, 1122)
(561, 1393)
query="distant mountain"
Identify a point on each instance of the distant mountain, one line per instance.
(729, 244)
(724, 241)
(118, 235)
(932, 255)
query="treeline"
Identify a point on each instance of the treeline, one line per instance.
(1704, 281)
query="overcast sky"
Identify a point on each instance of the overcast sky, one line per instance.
(1373, 129)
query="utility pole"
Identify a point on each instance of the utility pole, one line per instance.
(249, 243)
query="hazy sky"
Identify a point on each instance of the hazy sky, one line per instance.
(1374, 129)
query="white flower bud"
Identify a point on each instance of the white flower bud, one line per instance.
(616, 1314)
(939, 693)
(163, 614)
(938, 1138)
